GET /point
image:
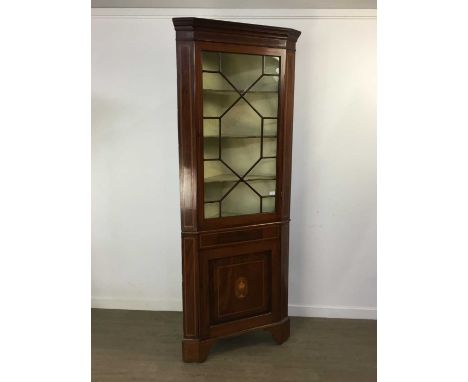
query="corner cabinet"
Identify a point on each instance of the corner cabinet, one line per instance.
(235, 110)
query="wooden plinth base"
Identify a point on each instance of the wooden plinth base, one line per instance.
(197, 350)
(280, 332)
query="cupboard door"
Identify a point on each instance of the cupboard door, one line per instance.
(241, 282)
(240, 286)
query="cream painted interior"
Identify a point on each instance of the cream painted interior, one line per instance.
(233, 127)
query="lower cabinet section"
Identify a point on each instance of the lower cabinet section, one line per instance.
(234, 281)
(238, 287)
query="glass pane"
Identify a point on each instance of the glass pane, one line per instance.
(264, 187)
(241, 121)
(268, 205)
(214, 81)
(216, 191)
(215, 103)
(218, 180)
(218, 95)
(240, 153)
(271, 65)
(264, 96)
(210, 127)
(211, 210)
(240, 110)
(265, 104)
(210, 61)
(216, 171)
(211, 141)
(265, 85)
(269, 127)
(242, 70)
(269, 147)
(240, 201)
(265, 169)
(211, 148)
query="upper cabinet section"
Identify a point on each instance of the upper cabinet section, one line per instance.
(196, 29)
(235, 93)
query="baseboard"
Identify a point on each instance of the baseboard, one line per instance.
(333, 311)
(294, 310)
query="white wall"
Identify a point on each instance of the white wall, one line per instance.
(268, 4)
(135, 228)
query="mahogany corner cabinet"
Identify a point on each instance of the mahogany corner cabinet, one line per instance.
(235, 110)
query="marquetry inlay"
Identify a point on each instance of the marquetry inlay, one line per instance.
(241, 288)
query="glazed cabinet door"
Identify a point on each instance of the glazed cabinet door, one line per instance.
(240, 125)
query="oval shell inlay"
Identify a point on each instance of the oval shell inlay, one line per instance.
(241, 287)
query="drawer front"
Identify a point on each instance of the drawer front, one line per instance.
(240, 286)
(237, 236)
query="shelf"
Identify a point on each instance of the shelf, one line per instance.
(253, 178)
(225, 178)
(221, 178)
(240, 213)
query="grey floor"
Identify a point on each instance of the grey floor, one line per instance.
(145, 346)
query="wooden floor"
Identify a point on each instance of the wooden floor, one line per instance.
(145, 346)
